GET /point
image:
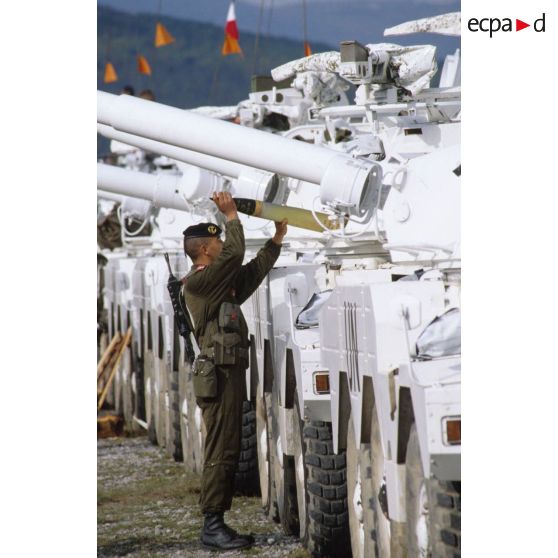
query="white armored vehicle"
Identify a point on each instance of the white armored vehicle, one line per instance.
(353, 417)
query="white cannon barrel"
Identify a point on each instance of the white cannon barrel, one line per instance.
(163, 190)
(344, 181)
(221, 166)
(103, 194)
(213, 137)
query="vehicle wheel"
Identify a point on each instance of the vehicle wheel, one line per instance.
(389, 536)
(173, 438)
(273, 512)
(326, 486)
(149, 389)
(160, 403)
(262, 439)
(283, 475)
(190, 421)
(358, 463)
(138, 385)
(246, 475)
(433, 510)
(127, 392)
(300, 471)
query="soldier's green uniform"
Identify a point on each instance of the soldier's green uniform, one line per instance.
(206, 289)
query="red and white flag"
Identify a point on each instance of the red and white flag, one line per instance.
(230, 45)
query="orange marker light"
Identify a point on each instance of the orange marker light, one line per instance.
(453, 431)
(321, 382)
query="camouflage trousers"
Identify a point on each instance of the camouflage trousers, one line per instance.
(222, 416)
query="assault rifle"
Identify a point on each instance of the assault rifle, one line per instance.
(181, 315)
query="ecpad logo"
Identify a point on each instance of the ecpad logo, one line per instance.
(493, 25)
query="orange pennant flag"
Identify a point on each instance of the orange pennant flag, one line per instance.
(162, 36)
(230, 45)
(110, 73)
(307, 49)
(143, 65)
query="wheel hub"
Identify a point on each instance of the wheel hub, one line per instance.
(185, 418)
(198, 422)
(148, 400)
(422, 522)
(357, 506)
(279, 449)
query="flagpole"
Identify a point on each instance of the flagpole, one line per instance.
(305, 29)
(269, 17)
(212, 90)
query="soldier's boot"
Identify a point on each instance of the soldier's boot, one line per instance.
(217, 535)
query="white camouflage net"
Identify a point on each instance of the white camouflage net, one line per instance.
(414, 66)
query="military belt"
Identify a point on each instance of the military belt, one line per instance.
(209, 352)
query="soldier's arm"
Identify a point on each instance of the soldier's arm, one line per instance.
(252, 274)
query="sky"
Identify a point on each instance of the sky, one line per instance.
(328, 21)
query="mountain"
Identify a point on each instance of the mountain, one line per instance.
(191, 71)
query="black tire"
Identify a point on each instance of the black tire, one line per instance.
(446, 518)
(247, 474)
(174, 439)
(433, 509)
(328, 518)
(139, 396)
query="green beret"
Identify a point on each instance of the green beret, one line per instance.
(202, 230)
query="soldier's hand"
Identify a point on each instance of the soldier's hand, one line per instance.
(280, 231)
(225, 204)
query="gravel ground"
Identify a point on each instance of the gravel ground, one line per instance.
(147, 508)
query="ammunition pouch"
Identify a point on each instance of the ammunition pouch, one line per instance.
(226, 348)
(204, 377)
(229, 317)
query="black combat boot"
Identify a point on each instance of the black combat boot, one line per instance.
(216, 535)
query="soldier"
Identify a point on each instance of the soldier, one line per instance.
(213, 290)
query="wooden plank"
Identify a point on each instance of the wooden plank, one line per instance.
(106, 355)
(122, 348)
(109, 364)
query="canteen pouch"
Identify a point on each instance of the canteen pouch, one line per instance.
(229, 316)
(225, 347)
(204, 377)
